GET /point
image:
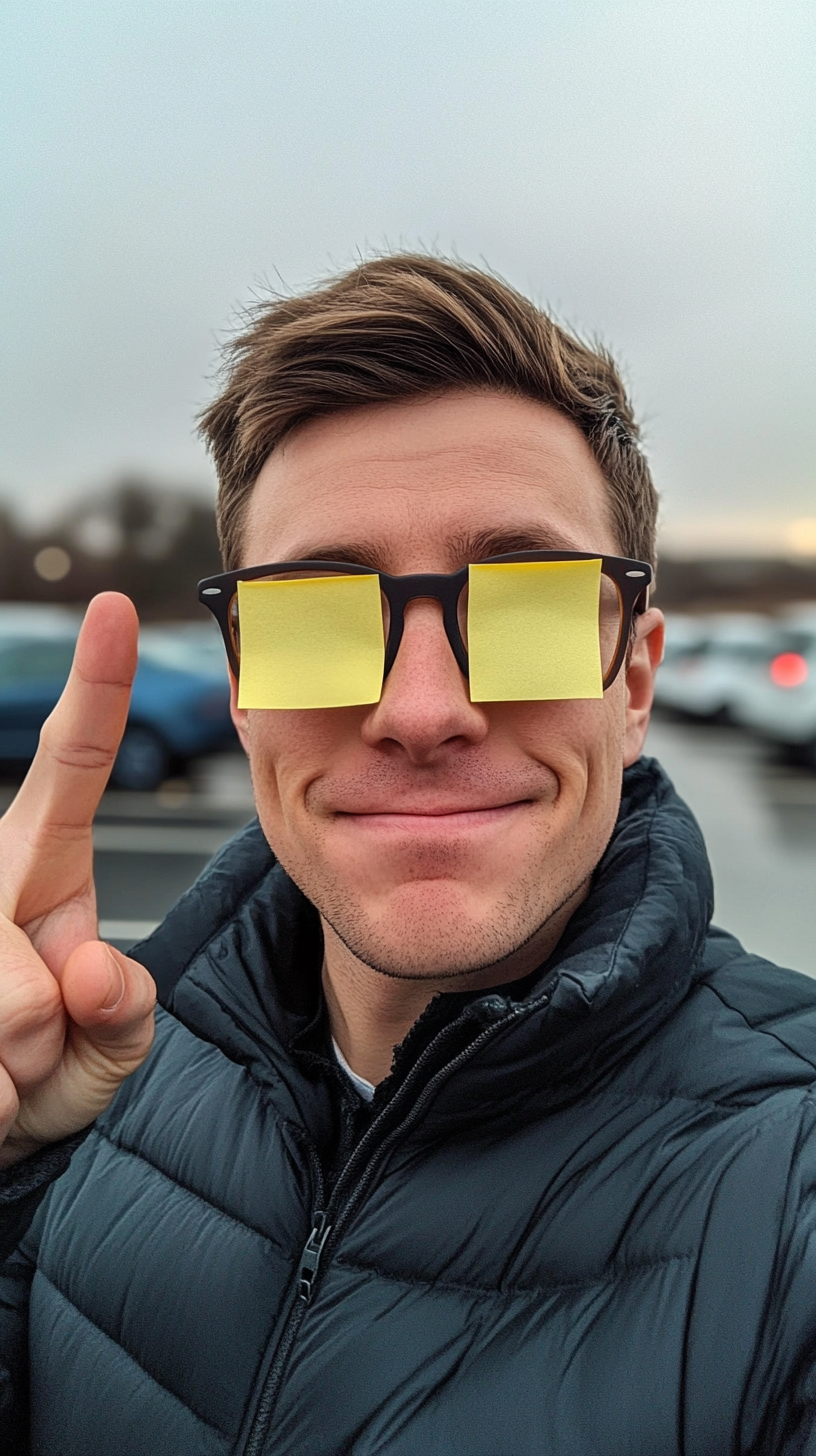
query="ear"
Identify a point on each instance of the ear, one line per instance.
(644, 659)
(238, 715)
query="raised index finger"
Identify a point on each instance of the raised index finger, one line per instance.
(54, 810)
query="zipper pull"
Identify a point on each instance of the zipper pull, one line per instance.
(310, 1258)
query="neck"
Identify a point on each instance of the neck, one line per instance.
(371, 1013)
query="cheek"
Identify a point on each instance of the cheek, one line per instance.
(289, 751)
(575, 738)
(581, 742)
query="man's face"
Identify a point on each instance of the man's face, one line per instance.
(436, 835)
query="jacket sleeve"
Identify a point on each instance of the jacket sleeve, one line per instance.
(22, 1189)
(779, 1413)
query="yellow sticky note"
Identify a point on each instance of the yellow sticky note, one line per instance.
(533, 631)
(314, 642)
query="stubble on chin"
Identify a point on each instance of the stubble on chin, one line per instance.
(426, 930)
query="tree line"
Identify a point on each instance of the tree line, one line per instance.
(153, 542)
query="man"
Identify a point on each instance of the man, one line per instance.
(461, 1131)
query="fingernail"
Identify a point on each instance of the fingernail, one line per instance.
(116, 987)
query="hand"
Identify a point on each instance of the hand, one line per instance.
(76, 1016)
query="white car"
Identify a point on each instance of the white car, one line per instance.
(38, 619)
(778, 703)
(708, 662)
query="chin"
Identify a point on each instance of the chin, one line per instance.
(433, 959)
(427, 929)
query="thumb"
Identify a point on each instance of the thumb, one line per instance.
(110, 999)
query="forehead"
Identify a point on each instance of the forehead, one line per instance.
(419, 485)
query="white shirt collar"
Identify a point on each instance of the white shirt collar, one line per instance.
(365, 1089)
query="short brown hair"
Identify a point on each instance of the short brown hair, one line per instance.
(397, 328)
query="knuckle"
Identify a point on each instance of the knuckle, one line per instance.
(84, 755)
(93, 680)
(30, 1000)
(73, 753)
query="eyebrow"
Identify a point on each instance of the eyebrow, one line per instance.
(353, 553)
(464, 547)
(475, 546)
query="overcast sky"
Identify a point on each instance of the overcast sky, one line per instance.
(647, 169)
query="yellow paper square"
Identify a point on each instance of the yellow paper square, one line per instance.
(313, 642)
(533, 631)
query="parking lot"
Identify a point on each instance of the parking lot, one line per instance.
(758, 817)
(150, 847)
(759, 821)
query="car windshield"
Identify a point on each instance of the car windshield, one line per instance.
(34, 657)
(803, 642)
(751, 651)
(24, 661)
(183, 652)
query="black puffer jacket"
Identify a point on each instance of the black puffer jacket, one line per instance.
(579, 1220)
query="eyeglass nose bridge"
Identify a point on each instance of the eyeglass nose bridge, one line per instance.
(401, 590)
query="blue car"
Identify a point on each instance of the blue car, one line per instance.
(179, 708)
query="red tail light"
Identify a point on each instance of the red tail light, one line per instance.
(789, 670)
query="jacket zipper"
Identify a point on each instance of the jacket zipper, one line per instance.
(310, 1258)
(328, 1224)
(307, 1270)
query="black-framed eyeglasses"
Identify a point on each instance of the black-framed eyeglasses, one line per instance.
(526, 625)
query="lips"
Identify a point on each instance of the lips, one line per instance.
(480, 792)
(432, 824)
(428, 811)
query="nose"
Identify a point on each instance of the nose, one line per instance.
(425, 707)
